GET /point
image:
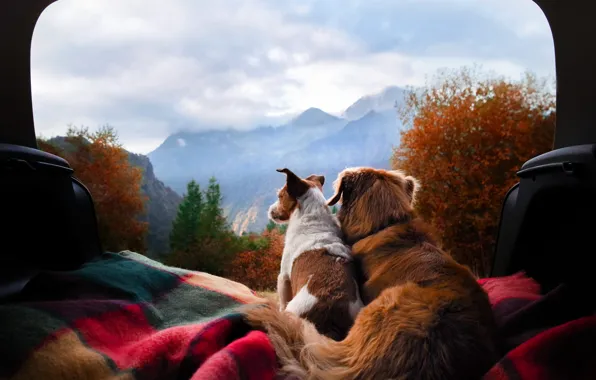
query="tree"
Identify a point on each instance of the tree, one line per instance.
(213, 223)
(185, 227)
(201, 238)
(101, 163)
(466, 137)
(258, 265)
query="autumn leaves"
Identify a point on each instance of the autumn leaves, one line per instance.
(103, 166)
(466, 136)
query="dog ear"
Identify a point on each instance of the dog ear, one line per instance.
(296, 186)
(412, 186)
(319, 178)
(340, 189)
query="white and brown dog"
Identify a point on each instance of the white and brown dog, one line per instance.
(316, 280)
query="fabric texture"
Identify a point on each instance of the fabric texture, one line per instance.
(548, 337)
(124, 316)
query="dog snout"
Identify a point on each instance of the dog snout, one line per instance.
(274, 212)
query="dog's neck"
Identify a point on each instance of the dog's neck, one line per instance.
(406, 234)
(392, 221)
(312, 226)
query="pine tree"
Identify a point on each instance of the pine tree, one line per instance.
(186, 225)
(213, 223)
(334, 210)
(217, 244)
(201, 238)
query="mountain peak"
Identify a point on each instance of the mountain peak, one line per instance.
(313, 116)
(381, 101)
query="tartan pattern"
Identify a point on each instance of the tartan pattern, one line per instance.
(561, 352)
(124, 316)
(540, 352)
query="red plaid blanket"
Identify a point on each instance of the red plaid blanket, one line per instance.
(543, 337)
(127, 317)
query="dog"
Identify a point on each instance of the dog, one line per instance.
(316, 279)
(426, 318)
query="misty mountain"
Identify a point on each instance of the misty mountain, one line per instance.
(381, 101)
(313, 116)
(244, 162)
(360, 142)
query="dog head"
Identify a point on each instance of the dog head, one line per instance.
(372, 199)
(287, 197)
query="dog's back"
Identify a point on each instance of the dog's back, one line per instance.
(432, 310)
(423, 295)
(325, 292)
(321, 269)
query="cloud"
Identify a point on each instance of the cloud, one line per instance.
(151, 68)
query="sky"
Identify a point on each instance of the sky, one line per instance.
(151, 68)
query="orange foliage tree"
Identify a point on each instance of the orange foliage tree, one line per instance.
(466, 136)
(102, 165)
(258, 266)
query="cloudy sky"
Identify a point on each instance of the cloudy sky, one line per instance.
(151, 68)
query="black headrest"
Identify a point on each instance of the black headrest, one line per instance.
(48, 219)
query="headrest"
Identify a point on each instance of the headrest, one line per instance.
(48, 221)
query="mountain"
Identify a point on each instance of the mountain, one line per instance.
(161, 207)
(244, 162)
(227, 154)
(362, 141)
(382, 101)
(313, 116)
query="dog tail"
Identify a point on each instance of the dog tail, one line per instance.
(407, 332)
(301, 350)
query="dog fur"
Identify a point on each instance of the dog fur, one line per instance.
(427, 318)
(316, 279)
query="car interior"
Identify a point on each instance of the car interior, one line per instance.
(545, 227)
(547, 218)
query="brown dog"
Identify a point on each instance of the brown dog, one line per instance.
(427, 318)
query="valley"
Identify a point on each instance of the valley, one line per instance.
(244, 162)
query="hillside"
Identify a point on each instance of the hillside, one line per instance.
(161, 207)
(162, 202)
(244, 162)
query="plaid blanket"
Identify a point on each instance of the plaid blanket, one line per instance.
(124, 316)
(546, 337)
